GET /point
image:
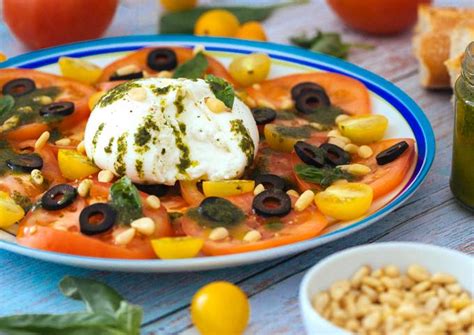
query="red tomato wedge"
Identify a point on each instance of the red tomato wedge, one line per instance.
(344, 92)
(294, 227)
(138, 58)
(70, 90)
(384, 178)
(58, 231)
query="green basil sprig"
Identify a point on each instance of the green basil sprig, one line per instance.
(193, 68)
(321, 176)
(221, 89)
(125, 199)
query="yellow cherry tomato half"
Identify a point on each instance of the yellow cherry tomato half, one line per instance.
(225, 188)
(250, 69)
(278, 140)
(364, 129)
(252, 30)
(94, 98)
(177, 247)
(10, 211)
(3, 57)
(217, 22)
(345, 201)
(79, 69)
(220, 308)
(74, 165)
(177, 5)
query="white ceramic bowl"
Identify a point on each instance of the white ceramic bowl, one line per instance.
(342, 265)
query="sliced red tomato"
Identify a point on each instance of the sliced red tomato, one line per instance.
(385, 178)
(70, 90)
(344, 92)
(292, 228)
(269, 161)
(138, 58)
(58, 231)
(302, 184)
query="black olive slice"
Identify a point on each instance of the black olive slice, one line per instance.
(18, 87)
(272, 203)
(220, 212)
(335, 155)
(271, 182)
(310, 154)
(61, 108)
(25, 163)
(128, 76)
(263, 115)
(305, 86)
(309, 100)
(162, 59)
(392, 153)
(97, 218)
(158, 190)
(58, 197)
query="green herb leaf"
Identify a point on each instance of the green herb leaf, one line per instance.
(6, 104)
(321, 176)
(129, 318)
(193, 68)
(126, 200)
(221, 89)
(329, 43)
(326, 116)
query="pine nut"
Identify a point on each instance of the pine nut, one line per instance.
(392, 271)
(215, 105)
(81, 147)
(42, 140)
(432, 304)
(321, 301)
(128, 69)
(305, 199)
(390, 299)
(341, 118)
(317, 126)
(218, 233)
(164, 74)
(454, 288)
(334, 133)
(252, 236)
(361, 273)
(84, 187)
(286, 104)
(43, 99)
(443, 278)
(339, 289)
(125, 237)
(356, 169)
(265, 103)
(351, 148)
(258, 189)
(105, 176)
(340, 182)
(10, 123)
(337, 141)
(37, 177)
(365, 151)
(407, 310)
(421, 287)
(372, 320)
(418, 273)
(137, 93)
(292, 193)
(63, 142)
(256, 86)
(153, 201)
(145, 226)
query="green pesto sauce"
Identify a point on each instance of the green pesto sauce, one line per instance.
(97, 134)
(182, 127)
(6, 152)
(184, 160)
(119, 164)
(324, 115)
(160, 90)
(273, 224)
(294, 132)
(284, 115)
(222, 211)
(143, 136)
(178, 102)
(246, 143)
(139, 168)
(108, 148)
(117, 93)
(22, 201)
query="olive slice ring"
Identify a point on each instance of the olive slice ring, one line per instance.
(61, 108)
(272, 203)
(304, 86)
(271, 182)
(310, 100)
(18, 87)
(58, 197)
(263, 115)
(106, 218)
(335, 155)
(128, 76)
(162, 59)
(392, 153)
(310, 154)
(25, 163)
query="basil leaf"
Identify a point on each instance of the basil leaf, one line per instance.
(221, 89)
(321, 176)
(6, 104)
(126, 200)
(193, 68)
(129, 318)
(96, 296)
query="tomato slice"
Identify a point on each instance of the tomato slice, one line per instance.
(384, 178)
(138, 58)
(70, 90)
(344, 92)
(294, 227)
(58, 231)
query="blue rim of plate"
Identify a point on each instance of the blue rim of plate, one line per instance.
(411, 112)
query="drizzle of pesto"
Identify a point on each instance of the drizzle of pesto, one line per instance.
(143, 136)
(97, 134)
(22, 201)
(294, 132)
(116, 93)
(119, 164)
(161, 90)
(184, 160)
(139, 168)
(108, 148)
(182, 127)
(218, 213)
(179, 101)
(246, 144)
(6, 152)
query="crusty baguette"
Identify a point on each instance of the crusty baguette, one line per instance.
(460, 38)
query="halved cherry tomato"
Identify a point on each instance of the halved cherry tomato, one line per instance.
(59, 230)
(177, 247)
(74, 165)
(225, 188)
(294, 227)
(364, 129)
(10, 212)
(283, 138)
(344, 92)
(138, 58)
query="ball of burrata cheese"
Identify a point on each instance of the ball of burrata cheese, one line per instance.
(160, 130)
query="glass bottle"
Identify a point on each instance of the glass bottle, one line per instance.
(462, 171)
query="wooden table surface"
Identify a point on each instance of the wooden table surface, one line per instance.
(430, 216)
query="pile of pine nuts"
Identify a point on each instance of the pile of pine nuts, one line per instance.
(386, 301)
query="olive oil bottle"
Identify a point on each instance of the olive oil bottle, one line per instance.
(462, 172)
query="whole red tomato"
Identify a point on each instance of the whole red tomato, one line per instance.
(377, 16)
(44, 23)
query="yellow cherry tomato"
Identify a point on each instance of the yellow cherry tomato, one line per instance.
(74, 165)
(177, 247)
(345, 201)
(364, 129)
(10, 212)
(250, 69)
(177, 5)
(280, 139)
(217, 22)
(252, 30)
(225, 188)
(3, 57)
(94, 98)
(79, 69)
(220, 308)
